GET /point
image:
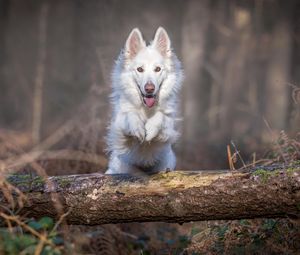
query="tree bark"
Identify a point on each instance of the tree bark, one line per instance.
(179, 196)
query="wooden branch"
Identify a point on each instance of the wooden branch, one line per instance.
(170, 197)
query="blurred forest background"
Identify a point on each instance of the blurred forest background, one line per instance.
(241, 62)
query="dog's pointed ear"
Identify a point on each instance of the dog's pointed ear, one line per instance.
(134, 43)
(162, 42)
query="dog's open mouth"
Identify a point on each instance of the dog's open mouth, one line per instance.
(149, 100)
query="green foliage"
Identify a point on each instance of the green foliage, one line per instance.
(291, 170)
(20, 241)
(265, 174)
(244, 222)
(13, 244)
(35, 225)
(47, 223)
(195, 231)
(183, 241)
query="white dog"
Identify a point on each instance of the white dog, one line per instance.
(145, 82)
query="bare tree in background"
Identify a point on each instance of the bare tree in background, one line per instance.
(40, 73)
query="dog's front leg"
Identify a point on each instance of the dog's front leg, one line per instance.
(154, 125)
(161, 127)
(168, 132)
(133, 125)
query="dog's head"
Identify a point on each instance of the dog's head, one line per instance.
(148, 67)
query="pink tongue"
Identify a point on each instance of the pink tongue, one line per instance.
(150, 101)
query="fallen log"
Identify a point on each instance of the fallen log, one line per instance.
(179, 196)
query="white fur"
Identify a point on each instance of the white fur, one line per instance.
(140, 137)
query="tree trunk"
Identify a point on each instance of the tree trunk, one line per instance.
(170, 197)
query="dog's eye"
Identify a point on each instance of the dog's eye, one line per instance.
(157, 69)
(140, 69)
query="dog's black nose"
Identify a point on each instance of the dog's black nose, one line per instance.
(149, 87)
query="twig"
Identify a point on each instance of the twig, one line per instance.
(25, 226)
(60, 220)
(39, 247)
(254, 159)
(238, 153)
(229, 155)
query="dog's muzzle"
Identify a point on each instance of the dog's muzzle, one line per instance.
(150, 98)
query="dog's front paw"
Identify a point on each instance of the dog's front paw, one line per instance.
(139, 132)
(135, 127)
(168, 135)
(151, 131)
